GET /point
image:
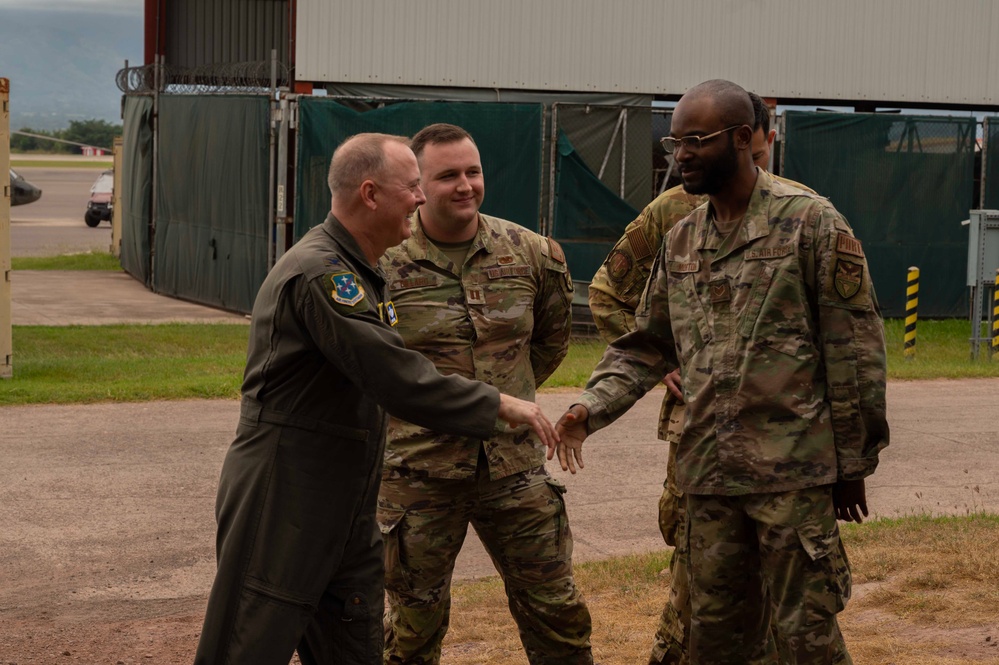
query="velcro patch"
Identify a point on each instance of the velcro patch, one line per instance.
(848, 278)
(768, 252)
(556, 251)
(618, 265)
(684, 266)
(847, 244)
(639, 243)
(508, 271)
(720, 290)
(345, 288)
(413, 283)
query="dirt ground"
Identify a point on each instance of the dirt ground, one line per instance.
(107, 525)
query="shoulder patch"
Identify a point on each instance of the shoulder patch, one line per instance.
(848, 278)
(847, 244)
(639, 244)
(556, 251)
(619, 264)
(345, 289)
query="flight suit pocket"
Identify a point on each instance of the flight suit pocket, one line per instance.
(390, 524)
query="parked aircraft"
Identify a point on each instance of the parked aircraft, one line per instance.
(22, 191)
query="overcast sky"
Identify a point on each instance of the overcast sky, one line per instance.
(115, 6)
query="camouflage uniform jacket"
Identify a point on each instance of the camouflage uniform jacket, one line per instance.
(779, 341)
(502, 318)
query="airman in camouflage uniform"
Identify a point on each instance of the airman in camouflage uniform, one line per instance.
(763, 299)
(613, 298)
(482, 298)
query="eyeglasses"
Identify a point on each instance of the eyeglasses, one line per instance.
(671, 144)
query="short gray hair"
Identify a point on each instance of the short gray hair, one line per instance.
(360, 157)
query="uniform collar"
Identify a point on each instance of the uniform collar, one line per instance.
(755, 223)
(342, 236)
(419, 247)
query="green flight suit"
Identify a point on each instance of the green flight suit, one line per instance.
(300, 562)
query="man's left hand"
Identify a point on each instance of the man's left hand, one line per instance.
(850, 500)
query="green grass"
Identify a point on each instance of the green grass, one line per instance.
(130, 363)
(942, 352)
(56, 162)
(83, 261)
(126, 363)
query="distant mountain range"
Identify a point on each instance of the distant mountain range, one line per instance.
(62, 64)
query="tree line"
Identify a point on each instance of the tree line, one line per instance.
(97, 133)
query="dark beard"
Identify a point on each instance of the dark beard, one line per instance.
(717, 174)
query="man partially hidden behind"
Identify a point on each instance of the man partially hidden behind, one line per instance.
(613, 299)
(299, 552)
(486, 299)
(764, 301)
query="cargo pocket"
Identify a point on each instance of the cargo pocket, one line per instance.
(389, 523)
(827, 587)
(562, 540)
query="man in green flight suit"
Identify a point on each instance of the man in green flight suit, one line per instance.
(300, 561)
(486, 299)
(763, 300)
(613, 298)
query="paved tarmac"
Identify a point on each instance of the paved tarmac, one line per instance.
(164, 457)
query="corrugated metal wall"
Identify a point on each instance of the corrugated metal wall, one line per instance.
(213, 32)
(930, 51)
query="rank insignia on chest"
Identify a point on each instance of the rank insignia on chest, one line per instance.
(720, 290)
(848, 279)
(346, 290)
(474, 296)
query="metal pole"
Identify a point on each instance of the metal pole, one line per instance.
(550, 230)
(624, 147)
(6, 325)
(154, 187)
(610, 146)
(281, 218)
(911, 304)
(985, 158)
(271, 230)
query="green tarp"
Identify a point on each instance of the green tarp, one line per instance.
(508, 137)
(211, 224)
(136, 184)
(905, 184)
(589, 217)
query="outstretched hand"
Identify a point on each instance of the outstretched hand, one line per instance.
(850, 500)
(672, 381)
(571, 429)
(516, 412)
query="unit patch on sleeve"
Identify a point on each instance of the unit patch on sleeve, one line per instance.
(848, 278)
(618, 265)
(346, 290)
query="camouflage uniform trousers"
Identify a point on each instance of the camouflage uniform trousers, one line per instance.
(521, 521)
(671, 644)
(790, 542)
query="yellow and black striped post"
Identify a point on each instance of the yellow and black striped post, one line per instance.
(994, 347)
(911, 303)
